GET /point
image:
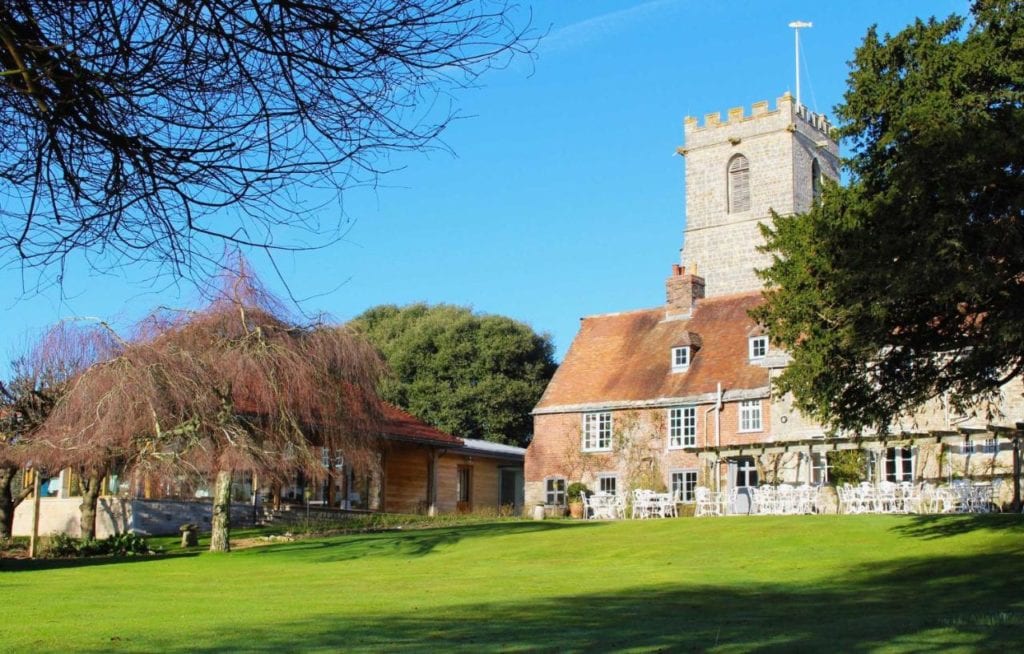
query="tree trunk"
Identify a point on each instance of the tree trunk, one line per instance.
(9, 500)
(220, 537)
(90, 498)
(1016, 474)
(6, 502)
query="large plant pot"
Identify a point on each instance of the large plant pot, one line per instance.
(576, 510)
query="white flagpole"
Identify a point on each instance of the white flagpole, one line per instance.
(797, 25)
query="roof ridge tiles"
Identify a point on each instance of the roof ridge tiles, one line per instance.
(706, 300)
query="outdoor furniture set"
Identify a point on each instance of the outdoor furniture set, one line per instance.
(785, 499)
(708, 502)
(905, 497)
(603, 506)
(646, 504)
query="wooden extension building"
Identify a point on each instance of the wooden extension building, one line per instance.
(420, 469)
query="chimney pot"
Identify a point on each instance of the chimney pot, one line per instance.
(682, 291)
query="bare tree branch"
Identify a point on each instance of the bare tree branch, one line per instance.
(155, 130)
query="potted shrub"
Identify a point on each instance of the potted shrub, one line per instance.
(574, 495)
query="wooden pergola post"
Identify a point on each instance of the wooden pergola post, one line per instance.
(1016, 473)
(34, 538)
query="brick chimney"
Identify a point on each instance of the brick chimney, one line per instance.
(682, 290)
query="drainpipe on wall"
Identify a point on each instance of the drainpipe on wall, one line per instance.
(718, 434)
(711, 408)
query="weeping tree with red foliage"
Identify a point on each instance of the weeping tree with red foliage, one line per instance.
(39, 378)
(236, 386)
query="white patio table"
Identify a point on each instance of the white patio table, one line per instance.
(603, 506)
(648, 504)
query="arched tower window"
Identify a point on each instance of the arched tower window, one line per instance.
(739, 184)
(815, 181)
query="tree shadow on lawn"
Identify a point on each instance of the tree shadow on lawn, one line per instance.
(916, 604)
(31, 565)
(932, 526)
(410, 542)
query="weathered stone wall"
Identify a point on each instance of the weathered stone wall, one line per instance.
(115, 515)
(780, 146)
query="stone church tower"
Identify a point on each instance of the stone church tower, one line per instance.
(737, 173)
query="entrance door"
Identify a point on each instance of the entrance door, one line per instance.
(742, 477)
(464, 489)
(510, 491)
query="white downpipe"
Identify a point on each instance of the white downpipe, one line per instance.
(707, 411)
(718, 435)
(713, 407)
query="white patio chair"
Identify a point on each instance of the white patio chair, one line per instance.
(947, 500)
(765, 501)
(819, 499)
(885, 497)
(619, 506)
(642, 505)
(804, 499)
(852, 498)
(983, 498)
(787, 499)
(588, 507)
(996, 495)
(847, 499)
(666, 505)
(755, 499)
(964, 495)
(727, 501)
(705, 503)
(910, 498)
(865, 497)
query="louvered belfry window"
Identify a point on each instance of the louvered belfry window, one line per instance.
(739, 184)
(815, 181)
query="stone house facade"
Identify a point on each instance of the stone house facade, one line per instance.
(680, 395)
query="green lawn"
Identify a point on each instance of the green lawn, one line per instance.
(816, 583)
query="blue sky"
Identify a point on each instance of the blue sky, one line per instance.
(563, 198)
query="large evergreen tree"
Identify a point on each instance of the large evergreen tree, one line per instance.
(476, 376)
(908, 282)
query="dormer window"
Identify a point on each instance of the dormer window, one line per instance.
(684, 347)
(680, 358)
(758, 347)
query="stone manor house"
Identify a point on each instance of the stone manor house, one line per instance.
(679, 395)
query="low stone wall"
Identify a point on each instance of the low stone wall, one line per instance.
(115, 515)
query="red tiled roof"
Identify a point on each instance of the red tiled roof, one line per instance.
(625, 357)
(402, 425)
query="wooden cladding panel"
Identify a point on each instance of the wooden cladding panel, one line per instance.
(484, 477)
(406, 472)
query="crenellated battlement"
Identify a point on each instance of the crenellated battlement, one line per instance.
(785, 107)
(782, 153)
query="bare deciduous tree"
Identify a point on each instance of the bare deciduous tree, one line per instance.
(139, 128)
(236, 386)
